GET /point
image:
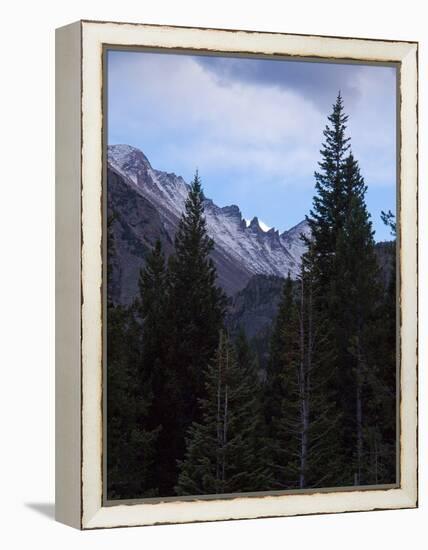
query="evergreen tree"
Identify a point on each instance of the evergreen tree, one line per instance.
(380, 436)
(327, 214)
(356, 302)
(131, 433)
(152, 307)
(280, 340)
(305, 451)
(348, 293)
(248, 363)
(223, 453)
(152, 304)
(195, 312)
(130, 440)
(388, 219)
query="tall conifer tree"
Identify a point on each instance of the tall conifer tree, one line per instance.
(327, 214)
(357, 298)
(152, 306)
(305, 451)
(131, 433)
(223, 452)
(380, 436)
(347, 278)
(280, 340)
(195, 313)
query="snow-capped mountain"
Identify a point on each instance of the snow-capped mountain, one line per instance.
(242, 248)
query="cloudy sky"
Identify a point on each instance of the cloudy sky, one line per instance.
(253, 127)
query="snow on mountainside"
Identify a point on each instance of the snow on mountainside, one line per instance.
(291, 239)
(252, 246)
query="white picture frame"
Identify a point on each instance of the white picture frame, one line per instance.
(79, 273)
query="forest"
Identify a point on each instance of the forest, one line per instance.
(189, 409)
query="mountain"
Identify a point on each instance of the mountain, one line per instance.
(253, 309)
(135, 225)
(145, 203)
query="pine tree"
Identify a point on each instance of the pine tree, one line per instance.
(248, 363)
(357, 299)
(223, 454)
(327, 214)
(152, 306)
(327, 217)
(130, 440)
(350, 299)
(195, 312)
(349, 294)
(280, 340)
(326, 221)
(197, 303)
(388, 219)
(380, 435)
(131, 433)
(305, 451)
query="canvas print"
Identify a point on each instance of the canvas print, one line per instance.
(250, 283)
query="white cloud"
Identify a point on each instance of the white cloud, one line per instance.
(270, 132)
(263, 130)
(372, 125)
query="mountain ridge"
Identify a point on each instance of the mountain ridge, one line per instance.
(241, 250)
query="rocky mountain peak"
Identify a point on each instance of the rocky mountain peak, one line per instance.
(302, 228)
(255, 225)
(242, 248)
(126, 157)
(232, 211)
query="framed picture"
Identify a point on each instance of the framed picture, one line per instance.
(236, 322)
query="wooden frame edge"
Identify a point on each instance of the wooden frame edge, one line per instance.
(93, 515)
(68, 133)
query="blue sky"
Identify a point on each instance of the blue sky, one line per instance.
(253, 127)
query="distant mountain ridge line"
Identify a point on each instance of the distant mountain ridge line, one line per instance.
(241, 249)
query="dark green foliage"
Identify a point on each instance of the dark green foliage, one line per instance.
(152, 307)
(192, 411)
(253, 310)
(180, 311)
(196, 303)
(356, 299)
(131, 434)
(327, 214)
(130, 439)
(195, 313)
(223, 449)
(381, 442)
(280, 340)
(388, 219)
(304, 445)
(283, 318)
(350, 298)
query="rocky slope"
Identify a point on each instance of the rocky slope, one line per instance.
(147, 203)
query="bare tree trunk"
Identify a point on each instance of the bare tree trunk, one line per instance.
(307, 381)
(359, 416)
(219, 442)
(303, 393)
(359, 434)
(376, 458)
(225, 420)
(223, 474)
